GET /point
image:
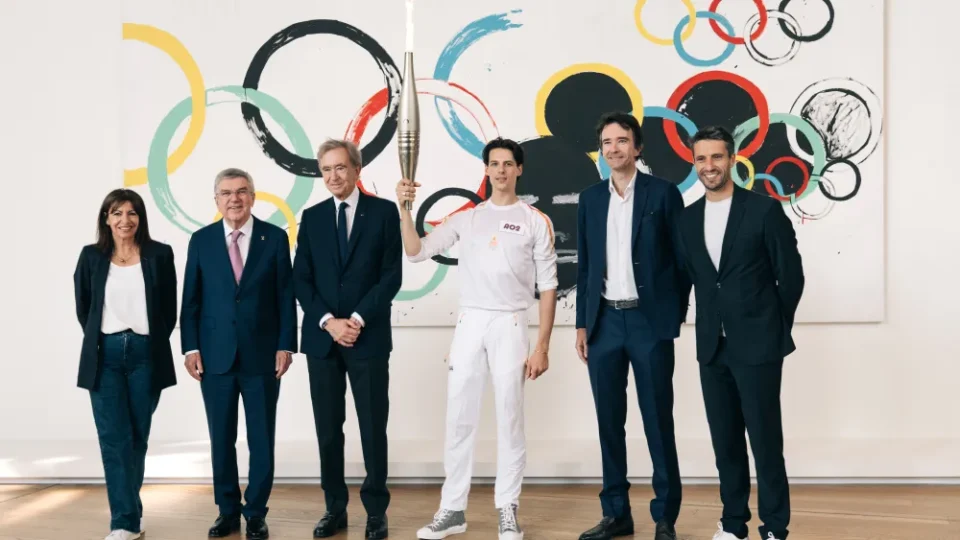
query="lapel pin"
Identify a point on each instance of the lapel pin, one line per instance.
(263, 238)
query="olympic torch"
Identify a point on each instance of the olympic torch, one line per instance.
(408, 132)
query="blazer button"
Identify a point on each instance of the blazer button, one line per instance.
(718, 284)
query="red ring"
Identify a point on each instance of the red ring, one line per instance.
(738, 40)
(374, 105)
(788, 159)
(759, 100)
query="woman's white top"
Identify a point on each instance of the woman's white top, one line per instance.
(125, 301)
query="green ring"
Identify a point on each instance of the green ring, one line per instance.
(159, 182)
(813, 137)
(438, 276)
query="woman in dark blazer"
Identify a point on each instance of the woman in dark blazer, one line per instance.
(126, 295)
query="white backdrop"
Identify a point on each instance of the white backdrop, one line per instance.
(860, 400)
(538, 72)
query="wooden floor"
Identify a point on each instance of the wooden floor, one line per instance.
(176, 512)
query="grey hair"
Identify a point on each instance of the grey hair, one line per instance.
(233, 172)
(332, 144)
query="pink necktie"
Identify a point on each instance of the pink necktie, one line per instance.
(235, 259)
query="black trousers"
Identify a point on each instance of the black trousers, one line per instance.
(369, 384)
(740, 397)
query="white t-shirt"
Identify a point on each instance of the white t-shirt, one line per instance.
(125, 301)
(504, 252)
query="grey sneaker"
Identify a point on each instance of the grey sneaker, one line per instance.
(509, 529)
(445, 523)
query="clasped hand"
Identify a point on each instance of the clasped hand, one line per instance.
(344, 331)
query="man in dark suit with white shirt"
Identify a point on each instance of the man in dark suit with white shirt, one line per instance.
(348, 270)
(740, 251)
(631, 300)
(238, 330)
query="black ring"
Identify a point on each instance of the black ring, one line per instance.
(432, 200)
(856, 186)
(287, 160)
(814, 37)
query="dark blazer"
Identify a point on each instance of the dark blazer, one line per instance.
(757, 289)
(366, 283)
(160, 281)
(663, 289)
(250, 321)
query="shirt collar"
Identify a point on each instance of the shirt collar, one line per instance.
(351, 199)
(246, 228)
(629, 188)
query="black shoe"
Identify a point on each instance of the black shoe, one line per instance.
(376, 527)
(665, 531)
(257, 528)
(330, 524)
(610, 527)
(224, 526)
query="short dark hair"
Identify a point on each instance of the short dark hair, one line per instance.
(507, 144)
(113, 200)
(624, 120)
(713, 133)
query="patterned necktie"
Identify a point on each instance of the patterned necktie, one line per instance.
(342, 232)
(235, 260)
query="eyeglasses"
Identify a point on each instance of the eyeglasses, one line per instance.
(226, 194)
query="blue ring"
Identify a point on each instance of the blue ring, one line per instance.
(769, 178)
(655, 111)
(678, 44)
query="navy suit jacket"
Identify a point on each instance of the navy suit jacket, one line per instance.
(365, 283)
(249, 321)
(757, 289)
(662, 288)
(160, 284)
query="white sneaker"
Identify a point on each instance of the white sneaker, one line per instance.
(445, 523)
(509, 529)
(121, 534)
(724, 535)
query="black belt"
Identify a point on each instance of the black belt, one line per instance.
(621, 304)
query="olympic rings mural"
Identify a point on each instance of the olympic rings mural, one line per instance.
(834, 123)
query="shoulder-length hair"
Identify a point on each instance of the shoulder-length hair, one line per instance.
(111, 202)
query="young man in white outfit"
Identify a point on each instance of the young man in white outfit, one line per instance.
(506, 250)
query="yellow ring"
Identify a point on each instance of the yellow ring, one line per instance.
(663, 41)
(751, 172)
(540, 105)
(170, 45)
(284, 209)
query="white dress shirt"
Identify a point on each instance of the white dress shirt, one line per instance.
(619, 282)
(351, 210)
(125, 301)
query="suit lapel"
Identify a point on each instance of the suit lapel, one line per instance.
(733, 223)
(100, 275)
(220, 240)
(639, 203)
(257, 244)
(698, 245)
(602, 213)
(146, 266)
(359, 225)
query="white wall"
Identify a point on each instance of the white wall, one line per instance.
(870, 400)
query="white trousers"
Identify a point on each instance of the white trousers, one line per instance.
(494, 343)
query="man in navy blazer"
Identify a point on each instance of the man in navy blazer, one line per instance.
(347, 271)
(631, 300)
(238, 330)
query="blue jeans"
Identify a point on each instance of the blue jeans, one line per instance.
(123, 407)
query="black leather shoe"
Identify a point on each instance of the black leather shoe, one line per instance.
(608, 528)
(665, 531)
(330, 524)
(376, 527)
(257, 529)
(224, 526)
